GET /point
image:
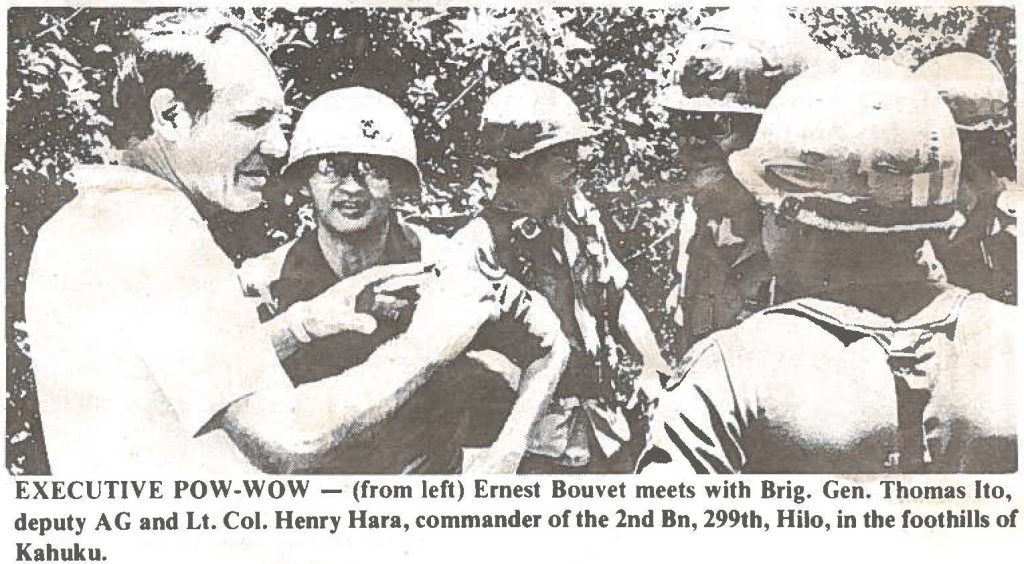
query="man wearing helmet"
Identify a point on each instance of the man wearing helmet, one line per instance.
(541, 230)
(723, 75)
(353, 154)
(880, 367)
(978, 256)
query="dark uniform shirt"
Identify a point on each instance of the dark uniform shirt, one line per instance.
(425, 435)
(976, 258)
(727, 273)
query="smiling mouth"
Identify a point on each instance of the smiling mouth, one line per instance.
(352, 208)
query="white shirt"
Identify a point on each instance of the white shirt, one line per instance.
(139, 332)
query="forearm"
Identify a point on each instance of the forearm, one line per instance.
(634, 325)
(536, 388)
(292, 433)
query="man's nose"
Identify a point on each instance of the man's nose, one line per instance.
(274, 144)
(350, 185)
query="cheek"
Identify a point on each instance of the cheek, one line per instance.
(380, 191)
(320, 195)
(229, 144)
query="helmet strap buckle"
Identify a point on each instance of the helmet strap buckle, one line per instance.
(788, 211)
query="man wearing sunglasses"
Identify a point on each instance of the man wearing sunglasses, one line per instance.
(541, 230)
(354, 156)
(725, 72)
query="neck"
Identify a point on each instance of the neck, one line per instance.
(898, 302)
(352, 253)
(150, 155)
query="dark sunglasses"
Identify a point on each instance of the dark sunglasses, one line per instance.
(335, 168)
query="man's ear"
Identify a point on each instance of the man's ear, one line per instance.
(170, 118)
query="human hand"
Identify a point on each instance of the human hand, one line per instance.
(336, 310)
(451, 309)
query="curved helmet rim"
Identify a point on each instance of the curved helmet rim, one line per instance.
(750, 165)
(746, 167)
(673, 98)
(335, 142)
(584, 131)
(955, 74)
(525, 104)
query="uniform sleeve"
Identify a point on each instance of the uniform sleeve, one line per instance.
(586, 214)
(188, 320)
(522, 308)
(616, 270)
(700, 421)
(473, 247)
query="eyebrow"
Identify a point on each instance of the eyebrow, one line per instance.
(263, 112)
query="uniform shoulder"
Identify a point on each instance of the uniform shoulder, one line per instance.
(980, 304)
(440, 225)
(989, 320)
(786, 329)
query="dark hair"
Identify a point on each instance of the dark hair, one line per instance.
(166, 52)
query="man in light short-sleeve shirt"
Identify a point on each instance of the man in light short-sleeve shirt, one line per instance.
(123, 269)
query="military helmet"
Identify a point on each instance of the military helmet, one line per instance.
(354, 120)
(527, 116)
(856, 146)
(736, 60)
(972, 87)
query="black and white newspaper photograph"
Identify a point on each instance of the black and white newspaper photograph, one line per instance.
(305, 283)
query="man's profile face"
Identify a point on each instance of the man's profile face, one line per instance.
(225, 155)
(351, 193)
(555, 173)
(705, 140)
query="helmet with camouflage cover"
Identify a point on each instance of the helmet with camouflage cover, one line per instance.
(527, 116)
(736, 60)
(972, 87)
(858, 146)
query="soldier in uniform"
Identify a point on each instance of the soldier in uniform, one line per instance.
(353, 154)
(975, 91)
(879, 367)
(725, 72)
(541, 230)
